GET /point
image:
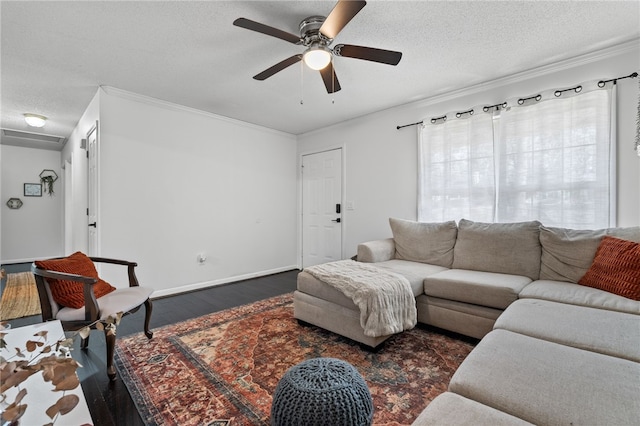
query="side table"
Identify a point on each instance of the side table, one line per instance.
(40, 394)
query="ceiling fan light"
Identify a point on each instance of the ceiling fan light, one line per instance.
(35, 120)
(317, 57)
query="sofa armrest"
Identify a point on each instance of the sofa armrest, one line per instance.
(377, 251)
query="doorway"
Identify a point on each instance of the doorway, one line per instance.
(322, 207)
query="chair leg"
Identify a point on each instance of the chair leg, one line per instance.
(110, 339)
(148, 307)
(84, 343)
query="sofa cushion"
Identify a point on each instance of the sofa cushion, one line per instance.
(546, 383)
(597, 330)
(567, 254)
(576, 294)
(414, 272)
(452, 409)
(506, 248)
(615, 268)
(122, 300)
(476, 287)
(309, 284)
(424, 242)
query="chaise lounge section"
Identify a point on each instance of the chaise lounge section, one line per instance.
(560, 342)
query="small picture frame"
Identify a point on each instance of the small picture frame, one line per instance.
(33, 190)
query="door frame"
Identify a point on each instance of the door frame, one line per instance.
(343, 192)
(95, 128)
(67, 168)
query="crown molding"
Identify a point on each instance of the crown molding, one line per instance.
(631, 46)
(124, 94)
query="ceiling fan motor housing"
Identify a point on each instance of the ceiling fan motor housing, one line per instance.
(310, 31)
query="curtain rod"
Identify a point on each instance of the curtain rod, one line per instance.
(577, 89)
(408, 125)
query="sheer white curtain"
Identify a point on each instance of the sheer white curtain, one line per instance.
(550, 158)
(554, 160)
(456, 169)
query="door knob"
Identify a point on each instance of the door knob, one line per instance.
(93, 224)
(336, 220)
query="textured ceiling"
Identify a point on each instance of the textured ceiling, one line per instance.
(56, 54)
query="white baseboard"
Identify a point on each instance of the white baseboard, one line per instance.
(207, 284)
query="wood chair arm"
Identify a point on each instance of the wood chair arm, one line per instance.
(63, 276)
(133, 279)
(114, 261)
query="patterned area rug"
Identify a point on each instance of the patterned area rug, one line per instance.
(20, 297)
(222, 368)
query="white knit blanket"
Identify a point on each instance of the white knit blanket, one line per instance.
(385, 299)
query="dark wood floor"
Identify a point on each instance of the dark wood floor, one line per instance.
(110, 402)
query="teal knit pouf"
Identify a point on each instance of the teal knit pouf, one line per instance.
(322, 391)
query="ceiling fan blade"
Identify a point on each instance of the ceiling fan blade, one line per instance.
(342, 13)
(389, 57)
(277, 67)
(265, 29)
(330, 79)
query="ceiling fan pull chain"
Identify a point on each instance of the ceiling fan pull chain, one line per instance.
(301, 82)
(333, 84)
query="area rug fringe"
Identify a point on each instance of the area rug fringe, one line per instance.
(20, 297)
(222, 368)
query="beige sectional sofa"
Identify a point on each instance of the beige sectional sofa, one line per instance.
(552, 351)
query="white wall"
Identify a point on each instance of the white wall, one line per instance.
(35, 230)
(381, 161)
(1, 209)
(176, 182)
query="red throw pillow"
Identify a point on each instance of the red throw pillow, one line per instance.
(70, 293)
(615, 268)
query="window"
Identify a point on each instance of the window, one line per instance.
(458, 178)
(548, 161)
(554, 162)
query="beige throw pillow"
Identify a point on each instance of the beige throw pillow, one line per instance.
(567, 254)
(424, 242)
(505, 248)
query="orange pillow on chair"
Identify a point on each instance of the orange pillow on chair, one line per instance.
(615, 268)
(70, 293)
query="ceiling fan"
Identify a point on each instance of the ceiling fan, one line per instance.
(317, 34)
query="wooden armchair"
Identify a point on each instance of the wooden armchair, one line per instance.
(126, 300)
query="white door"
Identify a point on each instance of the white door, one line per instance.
(92, 188)
(321, 208)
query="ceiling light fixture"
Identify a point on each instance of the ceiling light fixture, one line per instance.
(317, 56)
(35, 120)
